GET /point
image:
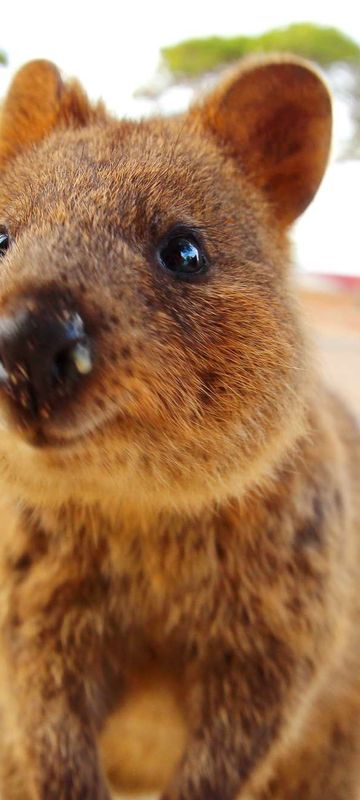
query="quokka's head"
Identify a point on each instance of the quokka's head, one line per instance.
(149, 351)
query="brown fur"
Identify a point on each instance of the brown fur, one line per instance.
(179, 547)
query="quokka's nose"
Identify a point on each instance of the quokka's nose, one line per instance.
(45, 352)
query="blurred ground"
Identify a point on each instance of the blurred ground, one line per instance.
(134, 797)
(335, 319)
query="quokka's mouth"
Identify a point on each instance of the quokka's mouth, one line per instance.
(43, 438)
(40, 436)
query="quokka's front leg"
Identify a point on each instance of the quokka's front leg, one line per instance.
(241, 704)
(52, 632)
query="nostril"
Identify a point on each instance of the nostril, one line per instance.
(71, 361)
(61, 366)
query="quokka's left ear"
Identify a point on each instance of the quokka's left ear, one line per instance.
(38, 101)
(273, 116)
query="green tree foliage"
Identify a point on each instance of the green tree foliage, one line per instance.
(327, 46)
(3, 58)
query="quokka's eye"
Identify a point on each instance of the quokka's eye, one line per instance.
(4, 240)
(182, 255)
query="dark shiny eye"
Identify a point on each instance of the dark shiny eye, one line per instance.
(4, 240)
(183, 256)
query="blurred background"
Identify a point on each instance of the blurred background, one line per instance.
(152, 57)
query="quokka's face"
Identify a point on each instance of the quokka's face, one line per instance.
(148, 349)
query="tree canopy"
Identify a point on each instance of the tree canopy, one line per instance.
(193, 57)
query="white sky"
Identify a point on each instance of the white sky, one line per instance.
(113, 46)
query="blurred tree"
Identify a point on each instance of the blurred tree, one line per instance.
(196, 60)
(3, 57)
(194, 57)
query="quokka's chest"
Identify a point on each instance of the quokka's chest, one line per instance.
(162, 586)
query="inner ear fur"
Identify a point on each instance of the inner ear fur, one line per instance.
(273, 116)
(38, 101)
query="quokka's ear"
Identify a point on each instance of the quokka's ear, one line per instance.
(38, 101)
(273, 116)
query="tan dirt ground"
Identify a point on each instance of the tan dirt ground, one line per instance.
(335, 320)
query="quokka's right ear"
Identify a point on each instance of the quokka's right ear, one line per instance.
(37, 102)
(272, 116)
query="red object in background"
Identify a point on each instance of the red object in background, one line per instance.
(329, 282)
(343, 281)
